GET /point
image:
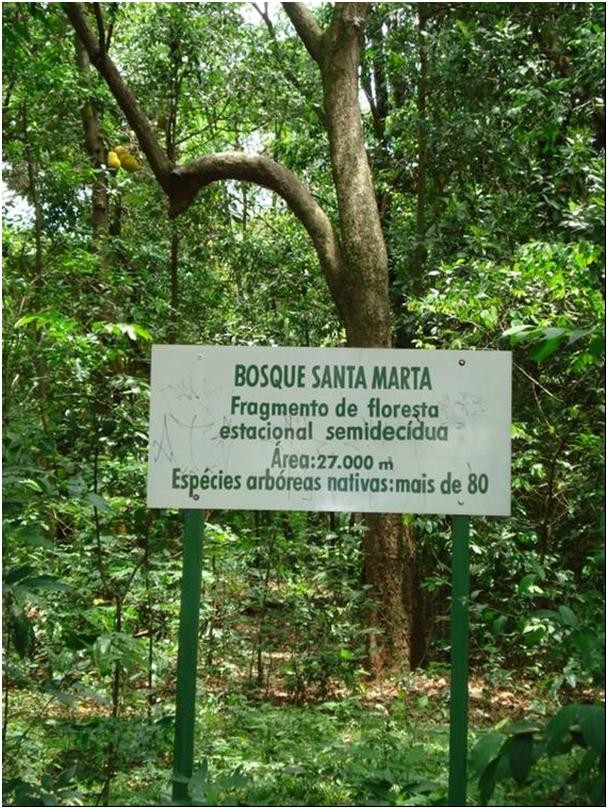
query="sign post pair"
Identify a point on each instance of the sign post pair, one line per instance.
(365, 430)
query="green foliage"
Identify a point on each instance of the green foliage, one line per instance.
(532, 599)
(512, 752)
(284, 602)
(334, 753)
(205, 791)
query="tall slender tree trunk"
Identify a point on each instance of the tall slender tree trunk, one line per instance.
(420, 246)
(32, 182)
(171, 149)
(96, 150)
(174, 283)
(389, 556)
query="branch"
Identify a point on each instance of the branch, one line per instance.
(308, 30)
(187, 180)
(287, 71)
(181, 184)
(100, 28)
(113, 9)
(158, 160)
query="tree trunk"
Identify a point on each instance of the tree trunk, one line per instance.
(32, 181)
(174, 284)
(420, 246)
(390, 569)
(365, 299)
(96, 150)
(353, 260)
(388, 559)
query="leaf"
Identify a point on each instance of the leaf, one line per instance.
(199, 777)
(61, 696)
(528, 585)
(489, 317)
(463, 28)
(586, 765)
(97, 501)
(78, 640)
(597, 790)
(545, 349)
(520, 756)
(499, 624)
(592, 719)
(596, 347)
(44, 582)
(16, 574)
(567, 615)
(486, 750)
(131, 330)
(22, 631)
(521, 331)
(487, 782)
(576, 335)
(533, 635)
(67, 775)
(27, 319)
(552, 333)
(32, 535)
(523, 726)
(294, 769)
(141, 332)
(76, 485)
(558, 728)
(17, 676)
(102, 653)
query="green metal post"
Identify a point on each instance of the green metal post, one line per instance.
(459, 680)
(183, 750)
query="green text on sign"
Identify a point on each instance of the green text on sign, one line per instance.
(330, 430)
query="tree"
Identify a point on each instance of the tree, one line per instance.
(352, 254)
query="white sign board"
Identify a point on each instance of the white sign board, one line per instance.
(330, 429)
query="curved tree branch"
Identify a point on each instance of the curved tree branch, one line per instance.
(187, 180)
(308, 30)
(182, 183)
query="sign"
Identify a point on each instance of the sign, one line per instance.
(344, 429)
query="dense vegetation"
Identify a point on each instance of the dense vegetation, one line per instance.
(484, 126)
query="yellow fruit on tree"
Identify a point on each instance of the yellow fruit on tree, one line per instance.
(121, 151)
(113, 160)
(130, 163)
